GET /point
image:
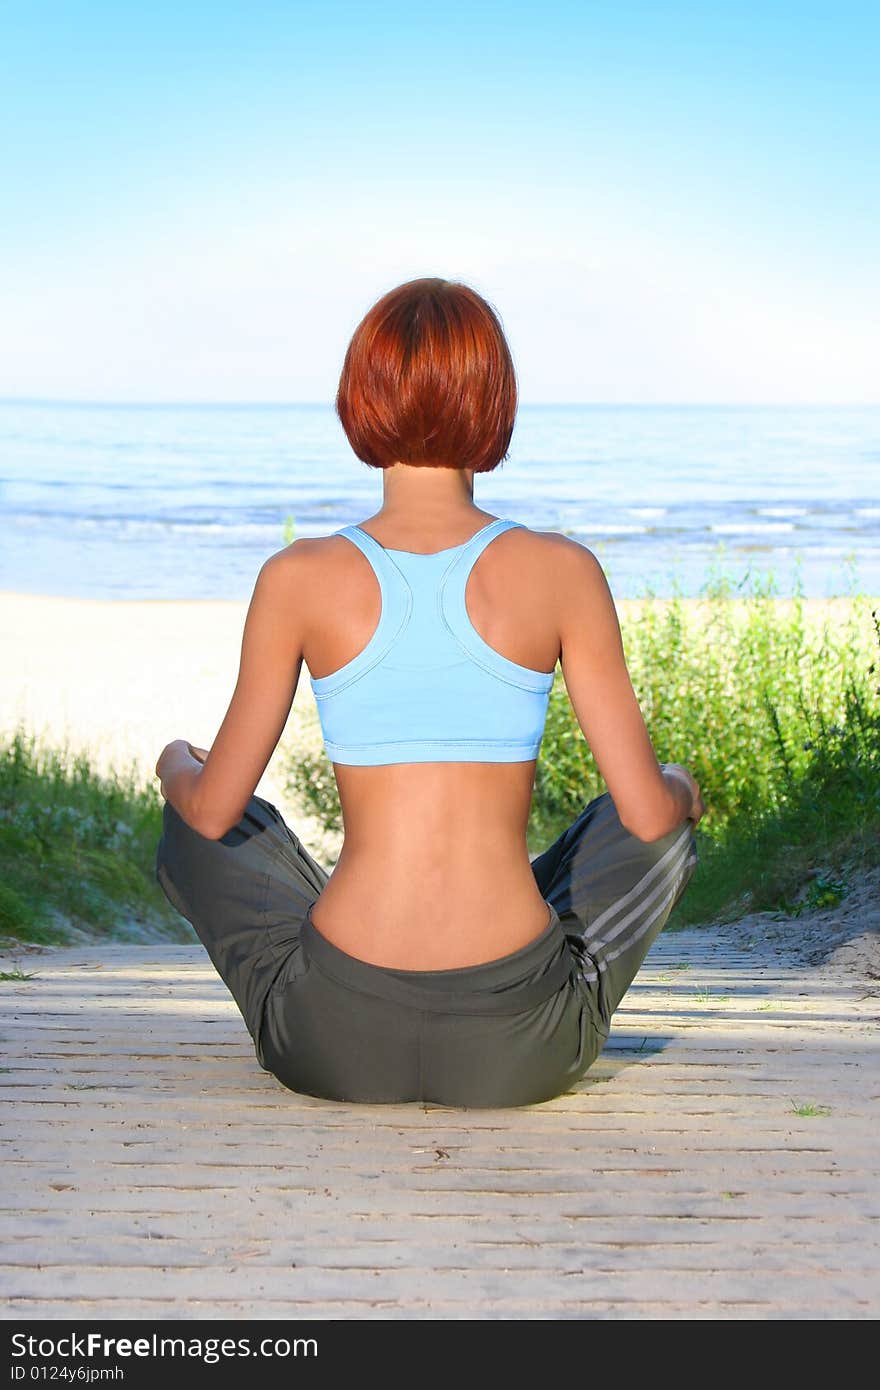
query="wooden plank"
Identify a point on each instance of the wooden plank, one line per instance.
(124, 1308)
(283, 1252)
(426, 1283)
(330, 1229)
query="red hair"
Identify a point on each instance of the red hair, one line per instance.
(428, 379)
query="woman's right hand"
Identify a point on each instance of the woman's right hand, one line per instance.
(681, 773)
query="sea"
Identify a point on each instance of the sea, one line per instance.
(187, 501)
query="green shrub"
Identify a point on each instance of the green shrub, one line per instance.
(310, 780)
(77, 848)
(17, 913)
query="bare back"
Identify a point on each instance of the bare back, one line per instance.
(434, 872)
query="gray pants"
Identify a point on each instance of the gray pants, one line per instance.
(512, 1031)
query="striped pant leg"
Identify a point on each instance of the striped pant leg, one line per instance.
(614, 894)
(246, 895)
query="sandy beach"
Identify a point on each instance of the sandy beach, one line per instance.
(121, 679)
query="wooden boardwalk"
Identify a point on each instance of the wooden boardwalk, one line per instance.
(151, 1169)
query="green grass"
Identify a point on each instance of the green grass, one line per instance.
(810, 1111)
(778, 717)
(76, 849)
(821, 893)
(705, 996)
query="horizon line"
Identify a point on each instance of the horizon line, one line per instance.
(191, 404)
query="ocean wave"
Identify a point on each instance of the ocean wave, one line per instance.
(750, 528)
(783, 511)
(611, 529)
(149, 526)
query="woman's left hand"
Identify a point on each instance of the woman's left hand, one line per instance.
(177, 754)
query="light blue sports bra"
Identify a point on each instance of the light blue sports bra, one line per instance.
(427, 687)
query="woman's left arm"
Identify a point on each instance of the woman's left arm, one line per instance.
(210, 792)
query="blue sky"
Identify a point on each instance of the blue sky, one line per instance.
(665, 202)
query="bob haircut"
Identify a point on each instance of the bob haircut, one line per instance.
(428, 380)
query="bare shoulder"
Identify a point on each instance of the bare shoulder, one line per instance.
(291, 588)
(294, 561)
(567, 560)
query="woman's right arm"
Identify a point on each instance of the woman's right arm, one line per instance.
(650, 799)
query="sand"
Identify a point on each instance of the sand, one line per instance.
(120, 679)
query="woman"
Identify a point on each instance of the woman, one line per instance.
(435, 963)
